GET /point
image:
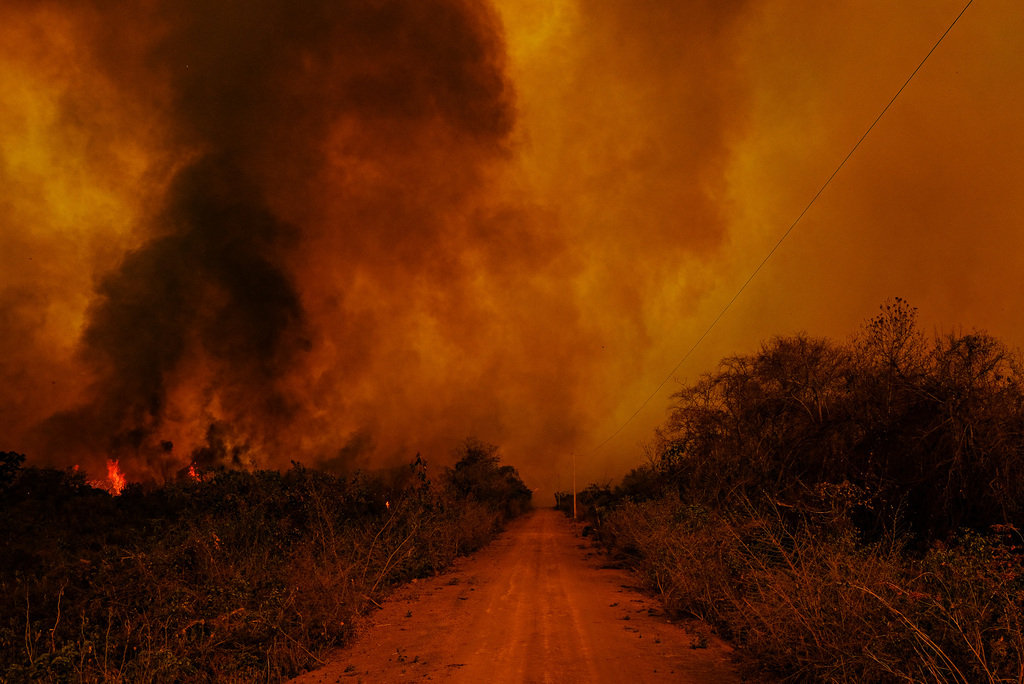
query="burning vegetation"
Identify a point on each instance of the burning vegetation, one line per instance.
(115, 482)
(234, 576)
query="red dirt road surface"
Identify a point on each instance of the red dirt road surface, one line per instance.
(539, 604)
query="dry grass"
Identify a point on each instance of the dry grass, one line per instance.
(812, 499)
(244, 577)
(810, 604)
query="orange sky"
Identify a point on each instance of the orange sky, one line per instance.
(361, 230)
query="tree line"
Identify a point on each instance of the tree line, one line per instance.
(843, 511)
(921, 435)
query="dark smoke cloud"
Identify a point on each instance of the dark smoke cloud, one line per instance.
(210, 283)
(252, 91)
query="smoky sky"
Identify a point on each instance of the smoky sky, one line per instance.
(251, 91)
(346, 232)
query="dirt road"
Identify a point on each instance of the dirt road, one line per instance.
(537, 605)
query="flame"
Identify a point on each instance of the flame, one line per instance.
(116, 481)
(194, 474)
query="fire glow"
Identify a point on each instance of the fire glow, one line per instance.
(115, 478)
(115, 481)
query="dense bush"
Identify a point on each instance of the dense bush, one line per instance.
(239, 577)
(10, 461)
(846, 512)
(477, 476)
(930, 433)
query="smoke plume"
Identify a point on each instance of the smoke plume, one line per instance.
(344, 232)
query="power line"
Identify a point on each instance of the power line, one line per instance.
(784, 236)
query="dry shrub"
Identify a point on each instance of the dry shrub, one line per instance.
(814, 605)
(811, 499)
(242, 577)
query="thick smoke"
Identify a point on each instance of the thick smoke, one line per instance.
(210, 286)
(198, 328)
(347, 232)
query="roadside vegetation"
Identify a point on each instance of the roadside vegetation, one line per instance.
(230, 577)
(844, 512)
